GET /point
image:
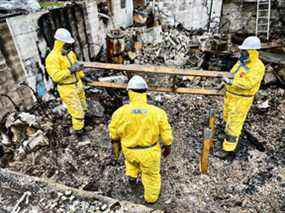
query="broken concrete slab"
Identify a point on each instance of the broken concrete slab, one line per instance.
(33, 143)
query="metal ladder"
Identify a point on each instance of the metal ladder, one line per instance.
(263, 17)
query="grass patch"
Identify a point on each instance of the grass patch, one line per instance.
(48, 4)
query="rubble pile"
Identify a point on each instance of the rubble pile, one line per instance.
(21, 134)
(173, 50)
(239, 186)
(253, 181)
(21, 193)
(179, 47)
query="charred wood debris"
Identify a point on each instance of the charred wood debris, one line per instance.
(35, 141)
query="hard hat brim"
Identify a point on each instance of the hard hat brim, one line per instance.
(242, 47)
(68, 41)
(246, 48)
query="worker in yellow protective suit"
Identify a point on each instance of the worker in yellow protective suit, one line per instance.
(137, 126)
(66, 72)
(247, 75)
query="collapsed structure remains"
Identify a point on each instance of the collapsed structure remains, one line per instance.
(189, 34)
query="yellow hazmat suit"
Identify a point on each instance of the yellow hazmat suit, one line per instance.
(138, 126)
(239, 97)
(69, 86)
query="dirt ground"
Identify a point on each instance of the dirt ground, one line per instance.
(253, 182)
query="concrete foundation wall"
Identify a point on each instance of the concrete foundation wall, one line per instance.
(122, 11)
(237, 18)
(97, 29)
(11, 73)
(193, 14)
(25, 38)
(242, 17)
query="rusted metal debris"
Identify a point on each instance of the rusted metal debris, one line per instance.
(115, 46)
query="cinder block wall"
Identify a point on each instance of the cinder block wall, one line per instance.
(11, 73)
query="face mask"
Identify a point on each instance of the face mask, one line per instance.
(66, 49)
(244, 57)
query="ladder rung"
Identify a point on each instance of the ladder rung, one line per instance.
(262, 13)
(262, 21)
(262, 17)
(264, 29)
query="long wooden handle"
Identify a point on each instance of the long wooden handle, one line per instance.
(204, 157)
(155, 69)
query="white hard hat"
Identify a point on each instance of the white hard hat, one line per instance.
(251, 43)
(137, 82)
(63, 35)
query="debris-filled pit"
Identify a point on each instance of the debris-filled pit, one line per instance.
(252, 182)
(48, 170)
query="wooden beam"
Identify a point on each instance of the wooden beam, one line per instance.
(204, 157)
(183, 90)
(155, 69)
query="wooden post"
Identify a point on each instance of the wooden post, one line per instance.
(204, 158)
(212, 126)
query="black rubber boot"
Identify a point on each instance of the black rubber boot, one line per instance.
(132, 181)
(224, 155)
(80, 136)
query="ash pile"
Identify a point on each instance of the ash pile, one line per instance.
(41, 195)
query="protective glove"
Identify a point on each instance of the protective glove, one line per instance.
(116, 149)
(166, 150)
(86, 80)
(76, 67)
(227, 80)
